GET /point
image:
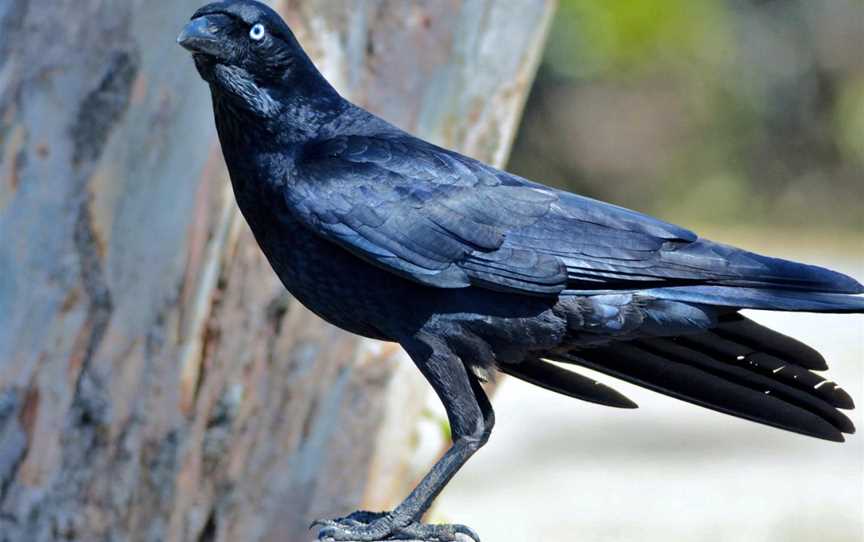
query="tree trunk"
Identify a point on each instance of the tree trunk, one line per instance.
(156, 382)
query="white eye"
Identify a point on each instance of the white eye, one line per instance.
(257, 32)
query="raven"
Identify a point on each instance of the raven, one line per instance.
(472, 269)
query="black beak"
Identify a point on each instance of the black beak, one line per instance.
(202, 35)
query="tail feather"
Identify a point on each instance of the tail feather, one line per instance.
(726, 370)
(757, 337)
(554, 378)
(745, 376)
(760, 364)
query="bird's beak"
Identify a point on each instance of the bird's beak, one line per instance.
(202, 35)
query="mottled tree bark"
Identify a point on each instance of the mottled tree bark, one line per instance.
(156, 382)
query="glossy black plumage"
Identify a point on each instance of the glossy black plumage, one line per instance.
(445, 220)
(473, 269)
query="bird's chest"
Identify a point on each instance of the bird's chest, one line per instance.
(331, 282)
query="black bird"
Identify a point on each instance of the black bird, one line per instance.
(474, 270)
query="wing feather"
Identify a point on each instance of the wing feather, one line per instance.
(448, 221)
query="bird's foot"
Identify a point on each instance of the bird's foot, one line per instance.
(365, 526)
(438, 532)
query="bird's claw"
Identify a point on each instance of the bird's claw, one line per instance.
(356, 519)
(436, 533)
(365, 526)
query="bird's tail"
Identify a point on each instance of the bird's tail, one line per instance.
(739, 368)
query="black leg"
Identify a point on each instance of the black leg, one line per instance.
(471, 420)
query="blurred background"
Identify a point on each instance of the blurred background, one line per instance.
(744, 120)
(739, 113)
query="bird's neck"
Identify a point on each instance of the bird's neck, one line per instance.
(297, 119)
(289, 110)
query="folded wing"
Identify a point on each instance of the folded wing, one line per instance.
(448, 221)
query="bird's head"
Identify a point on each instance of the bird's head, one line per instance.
(245, 50)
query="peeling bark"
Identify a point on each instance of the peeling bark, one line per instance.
(156, 381)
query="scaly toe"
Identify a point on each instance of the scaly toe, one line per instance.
(436, 533)
(355, 519)
(365, 526)
(360, 526)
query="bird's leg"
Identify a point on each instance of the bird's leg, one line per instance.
(471, 420)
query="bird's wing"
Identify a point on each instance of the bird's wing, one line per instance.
(445, 220)
(423, 213)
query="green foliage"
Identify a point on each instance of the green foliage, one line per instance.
(849, 119)
(625, 38)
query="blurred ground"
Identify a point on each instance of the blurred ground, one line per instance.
(561, 470)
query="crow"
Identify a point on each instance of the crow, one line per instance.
(474, 270)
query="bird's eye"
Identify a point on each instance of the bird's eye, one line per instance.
(257, 32)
